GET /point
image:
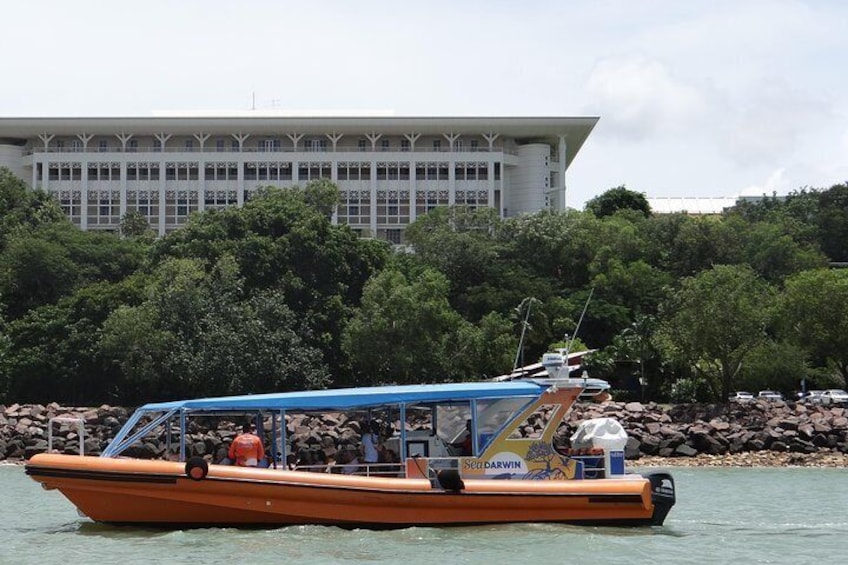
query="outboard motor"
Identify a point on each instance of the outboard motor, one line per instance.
(662, 495)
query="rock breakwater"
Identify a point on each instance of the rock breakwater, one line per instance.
(753, 433)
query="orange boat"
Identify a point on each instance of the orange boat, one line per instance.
(508, 477)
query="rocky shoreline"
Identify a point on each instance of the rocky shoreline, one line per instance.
(749, 434)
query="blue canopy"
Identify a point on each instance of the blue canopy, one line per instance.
(349, 398)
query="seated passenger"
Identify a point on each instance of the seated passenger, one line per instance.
(466, 444)
(348, 461)
(371, 444)
(291, 461)
(318, 460)
(389, 463)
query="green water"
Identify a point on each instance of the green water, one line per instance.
(795, 516)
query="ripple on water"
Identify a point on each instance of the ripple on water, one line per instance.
(722, 515)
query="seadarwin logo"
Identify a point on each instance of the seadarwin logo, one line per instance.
(499, 464)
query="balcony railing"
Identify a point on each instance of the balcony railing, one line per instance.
(213, 150)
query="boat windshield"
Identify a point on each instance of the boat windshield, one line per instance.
(492, 415)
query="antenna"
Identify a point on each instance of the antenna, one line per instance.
(253, 107)
(518, 354)
(580, 321)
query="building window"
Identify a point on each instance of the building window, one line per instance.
(475, 144)
(427, 200)
(60, 145)
(431, 171)
(103, 146)
(316, 145)
(313, 171)
(354, 171)
(76, 145)
(70, 201)
(362, 144)
(458, 145)
(235, 145)
(133, 146)
(104, 207)
(189, 145)
(269, 145)
(384, 145)
(404, 145)
(157, 145)
(355, 207)
(437, 145)
(221, 171)
(219, 199)
(392, 207)
(219, 145)
(393, 236)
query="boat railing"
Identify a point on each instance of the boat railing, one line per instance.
(66, 420)
(362, 469)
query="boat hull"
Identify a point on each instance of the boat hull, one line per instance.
(160, 493)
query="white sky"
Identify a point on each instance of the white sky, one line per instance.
(696, 98)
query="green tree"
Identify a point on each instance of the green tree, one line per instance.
(34, 272)
(555, 246)
(52, 353)
(774, 365)
(134, 224)
(460, 243)
(280, 241)
(22, 209)
(833, 222)
(199, 334)
(775, 254)
(41, 265)
(404, 330)
(684, 246)
(813, 313)
(5, 345)
(714, 321)
(618, 198)
(322, 195)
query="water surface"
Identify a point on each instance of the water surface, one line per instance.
(786, 515)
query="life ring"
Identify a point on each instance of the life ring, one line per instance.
(196, 468)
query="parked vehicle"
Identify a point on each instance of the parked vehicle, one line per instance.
(769, 395)
(812, 397)
(741, 396)
(834, 396)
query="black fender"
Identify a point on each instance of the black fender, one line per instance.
(196, 468)
(450, 480)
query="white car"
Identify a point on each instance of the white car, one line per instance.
(769, 395)
(741, 396)
(834, 396)
(813, 396)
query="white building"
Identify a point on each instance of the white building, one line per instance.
(691, 205)
(390, 169)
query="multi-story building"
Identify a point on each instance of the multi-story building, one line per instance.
(390, 169)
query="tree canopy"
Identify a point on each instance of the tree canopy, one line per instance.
(618, 198)
(274, 296)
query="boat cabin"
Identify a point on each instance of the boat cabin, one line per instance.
(501, 430)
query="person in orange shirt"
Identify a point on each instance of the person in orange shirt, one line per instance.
(247, 449)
